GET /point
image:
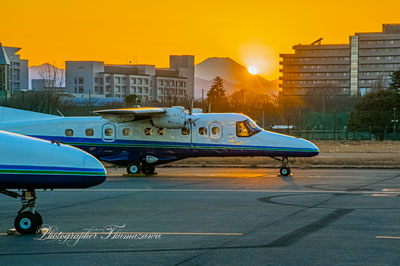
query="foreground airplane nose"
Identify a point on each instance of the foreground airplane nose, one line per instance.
(30, 163)
(82, 170)
(310, 148)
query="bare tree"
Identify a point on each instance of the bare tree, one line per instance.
(378, 84)
(52, 78)
(52, 83)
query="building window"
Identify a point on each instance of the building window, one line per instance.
(80, 80)
(69, 132)
(96, 80)
(203, 131)
(89, 132)
(148, 131)
(80, 89)
(126, 131)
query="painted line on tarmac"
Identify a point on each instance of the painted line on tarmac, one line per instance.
(388, 237)
(226, 190)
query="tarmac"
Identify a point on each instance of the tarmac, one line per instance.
(215, 216)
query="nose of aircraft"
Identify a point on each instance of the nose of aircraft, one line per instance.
(96, 169)
(310, 148)
(82, 169)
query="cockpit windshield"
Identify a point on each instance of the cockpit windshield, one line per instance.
(246, 128)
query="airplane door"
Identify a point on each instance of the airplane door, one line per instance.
(216, 131)
(108, 132)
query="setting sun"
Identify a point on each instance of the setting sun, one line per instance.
(252, 70)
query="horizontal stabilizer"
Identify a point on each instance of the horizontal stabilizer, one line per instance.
(13, 115)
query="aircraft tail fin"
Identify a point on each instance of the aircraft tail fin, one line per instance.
(13, 115)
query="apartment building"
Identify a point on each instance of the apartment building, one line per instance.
(93, 79)
(352, 69)
(19, 71)
(5, 86)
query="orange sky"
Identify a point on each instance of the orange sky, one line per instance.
(147, 32)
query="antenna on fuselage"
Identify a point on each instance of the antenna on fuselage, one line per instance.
(60, 113)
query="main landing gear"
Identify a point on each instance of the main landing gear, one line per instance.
(138, 168)
(285, 169)
(26, 222)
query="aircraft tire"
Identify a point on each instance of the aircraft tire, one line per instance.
(39, 218)
(149, 170)
(134, 168)
(26, 223)
(284, 171)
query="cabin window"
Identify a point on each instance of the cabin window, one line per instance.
(89, 132)
(246, 128)
(215, 130)
(161, 131)
(126, 131)
(203, 131)
(69, 132)
(185, 131)
(108, 132)
(148, 131)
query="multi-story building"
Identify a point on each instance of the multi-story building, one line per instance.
(5, 78)
(19, 70)
(91, 79)
(366, 63)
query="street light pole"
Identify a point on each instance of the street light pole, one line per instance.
(394, 121)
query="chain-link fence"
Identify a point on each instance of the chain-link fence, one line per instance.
(332, 126)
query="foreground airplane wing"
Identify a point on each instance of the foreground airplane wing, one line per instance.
(28, 163)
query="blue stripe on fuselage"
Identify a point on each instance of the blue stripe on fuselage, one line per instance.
(95, 141)
(50, 168)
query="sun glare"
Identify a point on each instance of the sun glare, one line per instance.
(252, 70)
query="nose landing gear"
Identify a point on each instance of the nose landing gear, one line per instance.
(285, 169)
(26, 222)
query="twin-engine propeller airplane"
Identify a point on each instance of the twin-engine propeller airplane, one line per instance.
(142, 138)
(28, 163)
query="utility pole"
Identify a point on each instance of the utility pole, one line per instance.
(202, 98)
(394, 121)
(242, 101)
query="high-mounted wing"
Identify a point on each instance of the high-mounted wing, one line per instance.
(174, 117)
(129, 114)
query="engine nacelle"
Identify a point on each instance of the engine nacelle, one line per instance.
(174, 118)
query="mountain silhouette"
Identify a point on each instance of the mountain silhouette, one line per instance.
(235, 76)
(36, 72)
